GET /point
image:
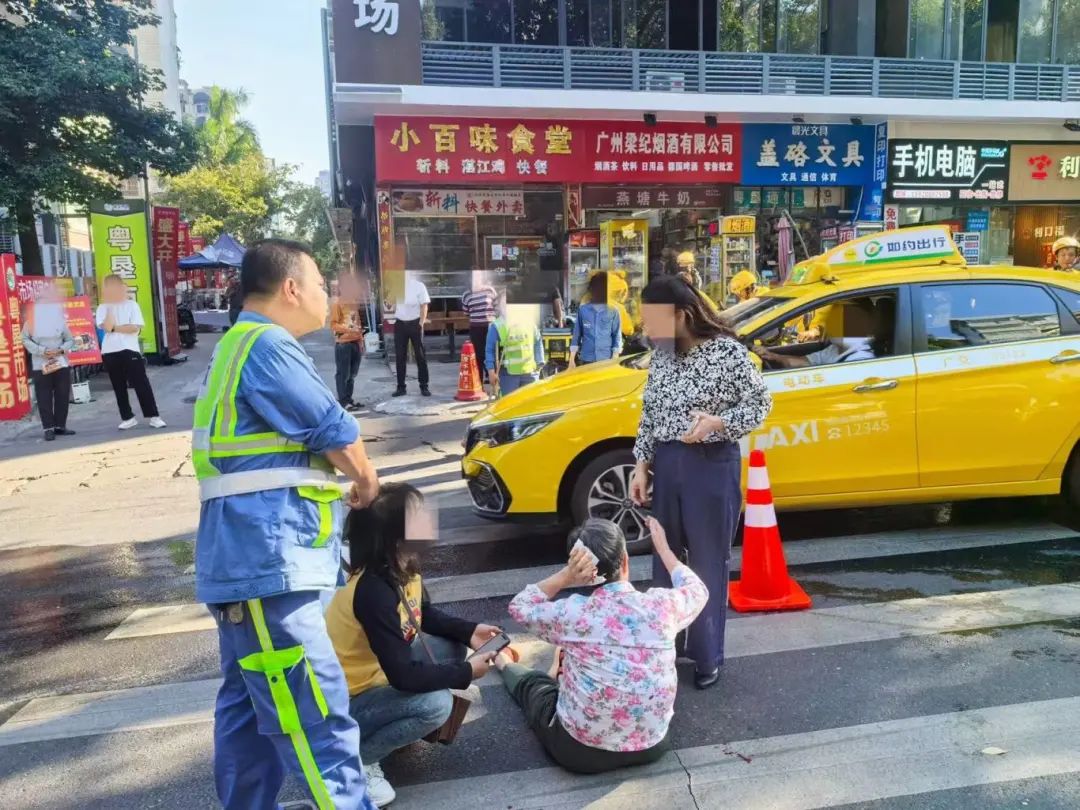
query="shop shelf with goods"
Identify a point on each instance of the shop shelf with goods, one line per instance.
(738, 248)
(624, 250)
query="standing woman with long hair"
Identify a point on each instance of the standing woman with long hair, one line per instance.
(703, 394)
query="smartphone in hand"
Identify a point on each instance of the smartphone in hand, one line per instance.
(495, 644)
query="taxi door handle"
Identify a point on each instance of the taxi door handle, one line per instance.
(877, 385)
(1068, 356)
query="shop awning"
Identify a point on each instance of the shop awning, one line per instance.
(225, 252)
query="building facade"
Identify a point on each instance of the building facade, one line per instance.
(539, 139)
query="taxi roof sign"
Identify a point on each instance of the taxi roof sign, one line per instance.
(909, 247)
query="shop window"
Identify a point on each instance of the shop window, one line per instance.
(488, 20)
(644, 23)
(448, 22)
(1035, 30)
(536, 22)
(577, 22)
(1067, 48)
(739, 29)
(926, 29)
(441, 250)
(798, 26)
(959, 316)
(966, 30)
(600, 23)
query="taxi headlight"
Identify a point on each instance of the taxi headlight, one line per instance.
(512, 430)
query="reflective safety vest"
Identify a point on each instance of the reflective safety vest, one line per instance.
(215, 436)
(516, 347)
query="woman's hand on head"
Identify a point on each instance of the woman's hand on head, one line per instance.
(580, 570)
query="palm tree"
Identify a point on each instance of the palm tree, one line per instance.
(226, 137)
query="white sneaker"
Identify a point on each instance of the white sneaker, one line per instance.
(128, 424)
(157, 422)
(380, 791)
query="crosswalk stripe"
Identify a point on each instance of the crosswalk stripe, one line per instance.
(803, 552)
(78, 715)
(815, 769)
(493, 584)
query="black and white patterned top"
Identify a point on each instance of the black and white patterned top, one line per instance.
(717, 377)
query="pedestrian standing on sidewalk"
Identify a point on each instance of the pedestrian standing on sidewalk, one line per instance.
(122, 321)
(597, 330)
(46, 336)
(479, 303)
(411, 315)
(703, 394)
(348, 339)
(515, 349)
(267, 436)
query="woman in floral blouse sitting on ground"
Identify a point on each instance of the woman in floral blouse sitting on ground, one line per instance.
(615, 696)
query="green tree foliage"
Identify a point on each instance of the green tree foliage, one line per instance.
(308, 220)
(226, 137)
(240, 198)
(72, 122)
(234, 188)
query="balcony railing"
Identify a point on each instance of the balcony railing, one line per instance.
(535, 66)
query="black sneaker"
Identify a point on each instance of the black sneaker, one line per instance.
(705, 680)
(354, 406)
(425, 392)
(400, 392)
(50, 435)
(63, 432)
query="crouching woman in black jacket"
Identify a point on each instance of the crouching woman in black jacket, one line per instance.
(398, 679)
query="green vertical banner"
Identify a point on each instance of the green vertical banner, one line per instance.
(121, 247)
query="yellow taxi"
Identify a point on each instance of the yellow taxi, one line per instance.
(933, 381)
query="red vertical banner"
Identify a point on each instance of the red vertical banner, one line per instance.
(166, 240)
(183, 240)
(14, 389)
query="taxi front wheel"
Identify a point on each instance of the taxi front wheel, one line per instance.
(1071, 487)
(602, 490)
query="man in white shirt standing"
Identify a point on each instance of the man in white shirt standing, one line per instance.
(411, 315)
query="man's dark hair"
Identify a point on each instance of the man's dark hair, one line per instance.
(598, 288)
(604, 539)
(268, 263)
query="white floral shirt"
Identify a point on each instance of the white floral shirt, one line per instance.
(618, 683)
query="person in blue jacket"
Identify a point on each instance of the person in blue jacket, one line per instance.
(268, 434)
(597, 331)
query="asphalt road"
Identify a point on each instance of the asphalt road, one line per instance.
(938, 667)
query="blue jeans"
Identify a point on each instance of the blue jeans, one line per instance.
(509, 383)
(390, 719)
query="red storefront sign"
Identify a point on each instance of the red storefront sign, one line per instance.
(196, 244)
(629, 152)
(479, 150)
(166, 240)
(486, 151)
(14, 390)
(183, 240)
(29, 288)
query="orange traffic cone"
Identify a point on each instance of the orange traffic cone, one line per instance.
(764, 583)
(469, 389)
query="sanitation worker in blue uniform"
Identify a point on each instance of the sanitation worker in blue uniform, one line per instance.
(268, 436)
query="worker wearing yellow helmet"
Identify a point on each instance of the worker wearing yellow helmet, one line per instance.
(810, 327)
(687, 271)
(744, 285)
(1067, 253)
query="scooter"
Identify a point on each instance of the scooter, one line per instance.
(186, 322)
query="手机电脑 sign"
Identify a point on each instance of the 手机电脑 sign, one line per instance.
(947, 170)
(508, 150)
(807, 154)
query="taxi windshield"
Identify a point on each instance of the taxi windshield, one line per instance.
(742, 313)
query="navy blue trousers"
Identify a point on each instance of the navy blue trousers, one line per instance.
(697, 497)
(284, 705)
